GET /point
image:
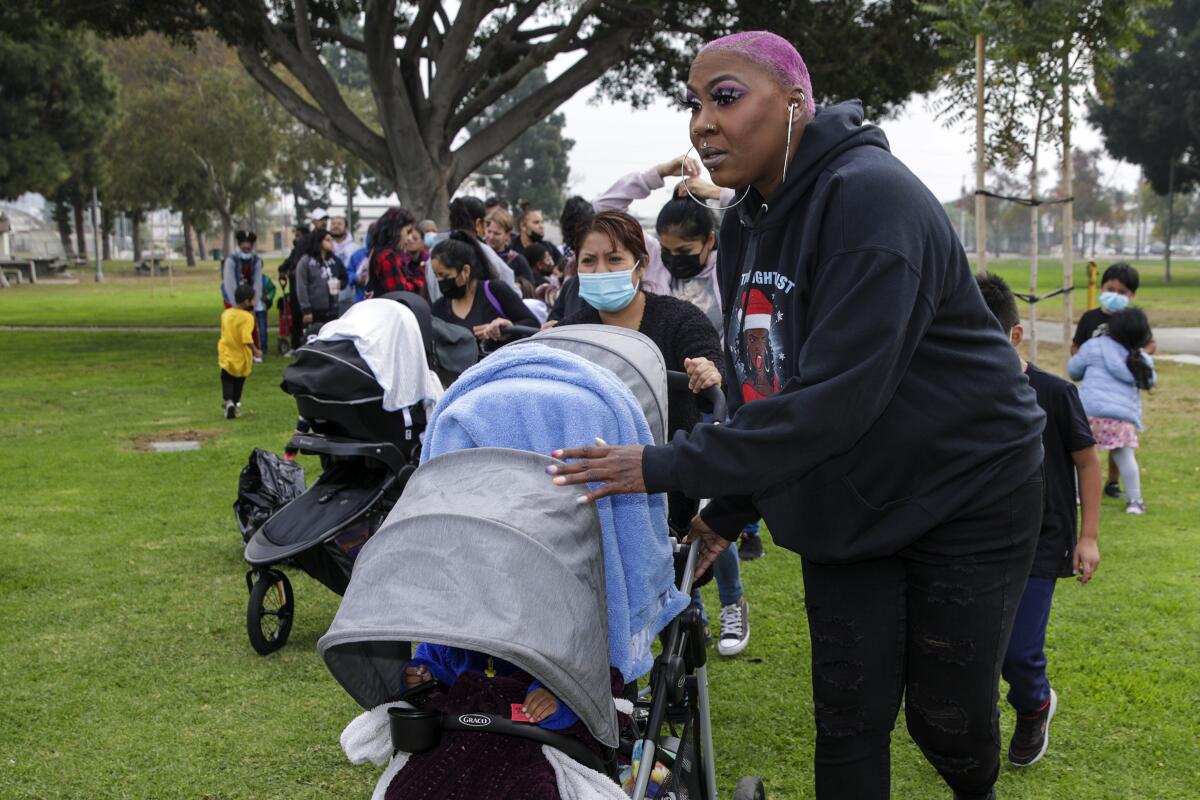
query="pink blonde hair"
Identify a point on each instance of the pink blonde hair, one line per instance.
(773, 52)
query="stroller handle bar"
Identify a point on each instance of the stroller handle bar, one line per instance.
(676, 381)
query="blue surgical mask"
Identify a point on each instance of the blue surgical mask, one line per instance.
(1113, 302)
(429, 237)
(244, 256)
(607, 291)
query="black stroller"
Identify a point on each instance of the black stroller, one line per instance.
(366, 453)
(444, 572)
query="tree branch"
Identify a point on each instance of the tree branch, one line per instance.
(496, 44)
(418, 30)
(371, 147)
(331, 34)
(401, 113)
(503, 131)
(539, 54)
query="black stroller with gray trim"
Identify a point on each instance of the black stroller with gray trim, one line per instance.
(367, 453)
(449, 572)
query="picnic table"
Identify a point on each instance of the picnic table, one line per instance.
(21, 270)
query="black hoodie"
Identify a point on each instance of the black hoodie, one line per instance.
(875, 395)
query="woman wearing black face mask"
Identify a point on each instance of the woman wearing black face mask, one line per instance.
(683, 259)
(471, 297)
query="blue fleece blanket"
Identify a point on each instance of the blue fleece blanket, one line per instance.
(539, 399)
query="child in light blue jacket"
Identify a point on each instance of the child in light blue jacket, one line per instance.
(1114, 371)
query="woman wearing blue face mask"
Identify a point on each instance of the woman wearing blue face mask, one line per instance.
(612, 267)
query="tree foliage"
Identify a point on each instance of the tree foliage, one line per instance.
(1149, 112)
(435, 66)
(195, 132)
(56, 98)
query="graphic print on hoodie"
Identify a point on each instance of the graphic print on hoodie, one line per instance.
(759, 357)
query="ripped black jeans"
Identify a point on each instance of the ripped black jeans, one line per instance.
(930, 624)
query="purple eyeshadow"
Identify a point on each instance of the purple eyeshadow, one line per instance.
(729, 89)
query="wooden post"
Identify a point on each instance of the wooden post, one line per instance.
(980, 163)
(1068, 259)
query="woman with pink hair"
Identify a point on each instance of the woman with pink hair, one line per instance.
(896, 446)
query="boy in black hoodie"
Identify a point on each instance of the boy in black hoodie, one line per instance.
(1070, 460)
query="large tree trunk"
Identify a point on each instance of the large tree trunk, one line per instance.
(80, 239)
(201, 245)
(189, 231)
(135, 223)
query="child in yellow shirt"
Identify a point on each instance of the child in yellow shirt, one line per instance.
(235, 349)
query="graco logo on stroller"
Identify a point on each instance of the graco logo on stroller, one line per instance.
(475, 721)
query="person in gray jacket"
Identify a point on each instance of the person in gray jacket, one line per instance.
(317, 279)
(243, 266)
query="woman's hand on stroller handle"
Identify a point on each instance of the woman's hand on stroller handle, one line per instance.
(617, 467)
(712, 544)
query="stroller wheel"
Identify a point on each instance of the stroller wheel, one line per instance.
(749, 788)
(283, 345)
(269, 613)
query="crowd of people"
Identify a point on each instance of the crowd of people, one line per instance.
(883, 423)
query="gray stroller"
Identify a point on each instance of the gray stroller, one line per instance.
(444, 572)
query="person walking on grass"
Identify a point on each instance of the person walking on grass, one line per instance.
(1070, 461)
(1115, 369)
(236, 350)
(893, 442)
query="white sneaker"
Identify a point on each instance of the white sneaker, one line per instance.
(257, 359)
(1135, 507)
(735, 628)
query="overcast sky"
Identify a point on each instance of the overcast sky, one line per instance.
(611, 140)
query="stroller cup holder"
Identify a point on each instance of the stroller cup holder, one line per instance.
(414, 730)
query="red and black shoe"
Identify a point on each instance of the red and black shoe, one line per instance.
(1032, 734)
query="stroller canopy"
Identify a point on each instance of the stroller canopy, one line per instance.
(630, 355)
(375, 352)
(481, 552)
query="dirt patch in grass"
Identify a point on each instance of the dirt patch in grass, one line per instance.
(143, 441)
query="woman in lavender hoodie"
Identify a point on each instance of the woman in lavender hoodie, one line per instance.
(683, 259)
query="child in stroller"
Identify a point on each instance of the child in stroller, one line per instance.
(449, 571)
(444, 664)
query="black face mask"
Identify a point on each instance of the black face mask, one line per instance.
(534, 236)
(682, 265)
(450, 289)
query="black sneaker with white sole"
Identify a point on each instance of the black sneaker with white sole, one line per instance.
(230, 409)
(1031, 737)
(1112, 489)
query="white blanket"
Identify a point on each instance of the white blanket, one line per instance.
(387, 336)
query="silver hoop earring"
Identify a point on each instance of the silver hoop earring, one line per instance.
(787, 149)
(745, 194)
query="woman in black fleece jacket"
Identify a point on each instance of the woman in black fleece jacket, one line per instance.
(614, 242)
(883, 427)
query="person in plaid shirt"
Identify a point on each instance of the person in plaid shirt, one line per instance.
(391, 270)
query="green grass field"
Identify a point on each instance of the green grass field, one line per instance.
(125, 671)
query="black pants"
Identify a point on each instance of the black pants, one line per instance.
(298, 325)
(930, 624)
(231, 387)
